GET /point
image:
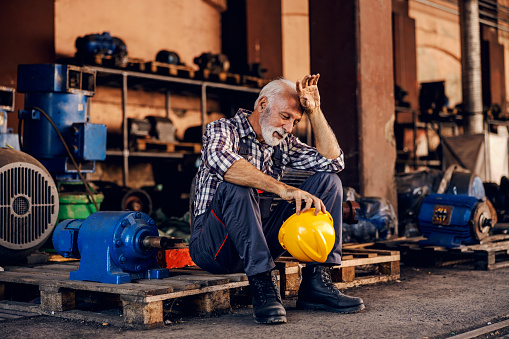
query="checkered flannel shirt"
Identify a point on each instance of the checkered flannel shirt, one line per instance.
(221, 143)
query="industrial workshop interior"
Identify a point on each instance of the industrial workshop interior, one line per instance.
(103, 109)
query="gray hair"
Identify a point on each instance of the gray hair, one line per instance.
(275, 88)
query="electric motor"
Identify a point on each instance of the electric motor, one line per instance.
(28, 205)
(454, 220)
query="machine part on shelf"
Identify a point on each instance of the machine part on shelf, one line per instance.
(162, 128)
(7, 99)
(28, 205)
(213, 62)
(308, 237)
(120, 198)
(255, 69)
(7, 137)
(114, 247)
(454, 220)
(104, 45)
(138, 128)
(168, 57)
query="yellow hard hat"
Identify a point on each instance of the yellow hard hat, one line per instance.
(308, 237)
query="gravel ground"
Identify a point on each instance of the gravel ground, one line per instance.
(424, 303)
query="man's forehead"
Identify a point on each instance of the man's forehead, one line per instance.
(290, 104)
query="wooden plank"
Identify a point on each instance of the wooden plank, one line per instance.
(498, 265)
(369, 261)
(195, 270)
(43, 279)
(202, 280)
(177, 285)
(47, 273)
(366, 250)
(181, 294)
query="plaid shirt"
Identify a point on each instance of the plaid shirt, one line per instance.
(221, 143)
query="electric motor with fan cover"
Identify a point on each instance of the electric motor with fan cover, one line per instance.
(28, 205)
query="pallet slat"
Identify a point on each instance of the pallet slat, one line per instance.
(170, 147)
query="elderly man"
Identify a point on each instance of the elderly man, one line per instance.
(243, 158)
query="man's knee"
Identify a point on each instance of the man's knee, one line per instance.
(239, 192)
(330, 180)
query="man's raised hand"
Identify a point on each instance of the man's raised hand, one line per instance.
(307, 89)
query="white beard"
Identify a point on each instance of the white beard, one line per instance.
(268, 131)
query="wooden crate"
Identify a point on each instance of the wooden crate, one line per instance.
(162, 68)
(155, 145)
(251, 81)
(358, 267)
(492, 253)
(224, 77)
(139, 304)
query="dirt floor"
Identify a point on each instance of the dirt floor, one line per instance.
(424, 303)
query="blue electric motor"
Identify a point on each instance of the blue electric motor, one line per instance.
(452, 220)
(61, 92)
(114, 247)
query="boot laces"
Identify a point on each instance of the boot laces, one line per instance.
(267, 286)
(327, 280)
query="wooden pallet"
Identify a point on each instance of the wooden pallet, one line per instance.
(155, 145)
(492, 253)
(251, 81)
(140, 304)
(358, 267)
(162, 68)
(224, 77)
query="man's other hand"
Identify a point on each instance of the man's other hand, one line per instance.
(303, 200)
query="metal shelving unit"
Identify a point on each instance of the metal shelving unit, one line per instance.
(167, 84)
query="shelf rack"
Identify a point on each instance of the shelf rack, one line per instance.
(167, 84)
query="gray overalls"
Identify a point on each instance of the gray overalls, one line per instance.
(239, 231)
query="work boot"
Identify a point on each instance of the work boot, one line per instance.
(267, 305)
(318, 292)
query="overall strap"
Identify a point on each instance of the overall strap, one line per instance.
(277, 157)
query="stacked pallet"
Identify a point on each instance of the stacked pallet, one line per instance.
(492, 253)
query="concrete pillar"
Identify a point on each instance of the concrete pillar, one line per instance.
(471, 66)
(351, 47)
(295, 38)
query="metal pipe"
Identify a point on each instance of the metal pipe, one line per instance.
(125, 143)
(156, 242)
(471, 66)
